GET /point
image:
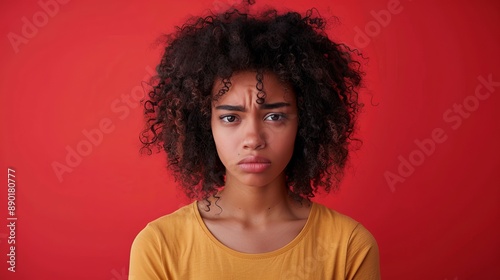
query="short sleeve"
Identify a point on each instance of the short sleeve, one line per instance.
(146, 256)
(362, 256)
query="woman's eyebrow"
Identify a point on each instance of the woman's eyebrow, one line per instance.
(230, 108)
(265, 106)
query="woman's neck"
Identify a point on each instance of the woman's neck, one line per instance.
(255, 204)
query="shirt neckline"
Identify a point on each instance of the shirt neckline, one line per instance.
(287, 247)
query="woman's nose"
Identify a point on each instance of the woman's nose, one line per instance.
(254, 138)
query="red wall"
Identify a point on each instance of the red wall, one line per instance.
(425, 181)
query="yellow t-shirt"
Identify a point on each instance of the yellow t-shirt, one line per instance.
(180, 246)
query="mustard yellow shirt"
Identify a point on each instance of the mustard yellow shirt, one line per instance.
(180, 246)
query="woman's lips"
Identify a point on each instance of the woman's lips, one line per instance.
(254, 164)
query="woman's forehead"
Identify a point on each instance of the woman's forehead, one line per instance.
(245, 84)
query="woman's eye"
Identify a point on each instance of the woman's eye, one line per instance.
(228, 119)
(275, 117)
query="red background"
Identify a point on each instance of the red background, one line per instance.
(72, 72)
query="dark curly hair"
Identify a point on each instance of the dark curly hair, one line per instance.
(324, 75)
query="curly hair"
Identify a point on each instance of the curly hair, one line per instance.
(324, 75)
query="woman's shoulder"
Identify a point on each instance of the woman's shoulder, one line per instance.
(184, 212)
(359, 247)
(333, 217)
(335, 222)
(170, 224)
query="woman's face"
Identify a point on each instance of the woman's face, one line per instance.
(254, 141)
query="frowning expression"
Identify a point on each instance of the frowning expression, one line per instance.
(254, 141)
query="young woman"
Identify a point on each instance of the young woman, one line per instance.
(256, 114)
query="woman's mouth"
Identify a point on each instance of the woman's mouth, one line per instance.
(254, 164)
